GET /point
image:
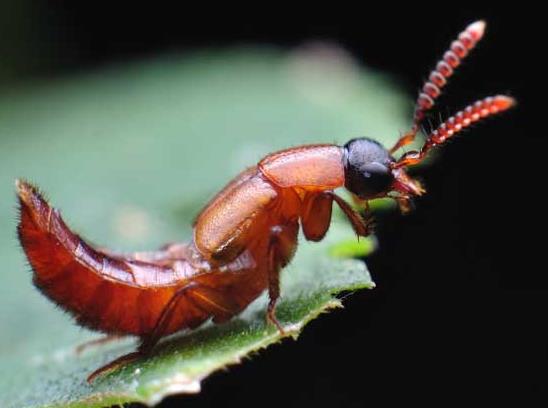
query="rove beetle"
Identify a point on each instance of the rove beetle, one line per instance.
(242, 238)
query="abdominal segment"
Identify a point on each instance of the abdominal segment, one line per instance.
(123, 294)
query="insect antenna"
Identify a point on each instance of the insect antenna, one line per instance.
(475, 112)
(438, 77)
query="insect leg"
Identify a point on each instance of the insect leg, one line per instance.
(316, 215)
(280, 250)
(120, 361)
(273, 288)
(208, 300)
(150, 341)
(160, 327)
(97, 342)
(362, 227)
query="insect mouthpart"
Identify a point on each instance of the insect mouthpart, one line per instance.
(405, 185)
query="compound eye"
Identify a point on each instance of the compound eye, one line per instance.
(369, 180)
(377, 177)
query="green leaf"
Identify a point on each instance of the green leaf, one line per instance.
(353, 248)
(129, 154)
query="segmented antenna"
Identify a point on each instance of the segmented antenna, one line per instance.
(461, 120)
(445, 68)
(437, 79)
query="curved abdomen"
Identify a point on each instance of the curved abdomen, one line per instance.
(102, 291)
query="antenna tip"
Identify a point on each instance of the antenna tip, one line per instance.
(504, 102)
(477, 29)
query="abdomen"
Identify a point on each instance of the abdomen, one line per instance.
(125, 294)
(101, 291)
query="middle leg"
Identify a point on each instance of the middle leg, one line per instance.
(281, 247)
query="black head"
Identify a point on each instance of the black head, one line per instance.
(367, 168)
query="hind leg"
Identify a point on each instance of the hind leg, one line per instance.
(209, 300)
(97, 342)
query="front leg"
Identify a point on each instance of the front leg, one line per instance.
(316, 216)
(362, 227)
(405, 204)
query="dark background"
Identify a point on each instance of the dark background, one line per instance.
(459, 312)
